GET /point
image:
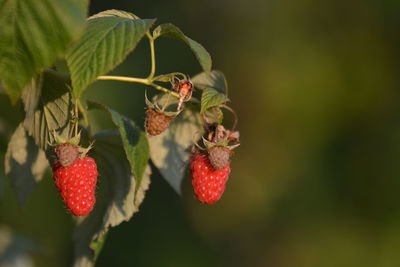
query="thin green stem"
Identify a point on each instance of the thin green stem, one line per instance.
(138, 80)
(165, 90)
(125, 79)
(153, 57)
(84, 114)
(170, 76)
(76, 116)
(235, 117)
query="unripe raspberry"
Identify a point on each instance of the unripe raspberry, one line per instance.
(156, 122)
(219, 156)
(66, 154)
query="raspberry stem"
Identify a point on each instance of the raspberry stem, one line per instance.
(76, 116)
(235, 117)
(84, 113)
(153, 57)
(138, 80)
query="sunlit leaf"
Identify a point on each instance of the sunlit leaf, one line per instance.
(33, 34)
(214, 115)
(109, 37)
(114, 13)
(214, 87)
(211, 98)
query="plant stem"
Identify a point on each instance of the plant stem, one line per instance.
(153, 57)
(84, 114)
(125, 79)
(235, 117)
(76, 116)
(138, 80)
(165, 90)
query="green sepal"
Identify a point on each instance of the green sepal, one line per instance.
(61, 140)
(209, 144)
(170, 77)
(155, 106)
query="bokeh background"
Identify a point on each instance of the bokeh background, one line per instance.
(316, 181)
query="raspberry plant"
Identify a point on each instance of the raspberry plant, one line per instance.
(56, 130)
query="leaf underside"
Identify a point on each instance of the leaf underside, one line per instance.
(25, 164)
(50, 94)
(170, 150)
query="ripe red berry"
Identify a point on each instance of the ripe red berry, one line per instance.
(77, 184)
(208, 183)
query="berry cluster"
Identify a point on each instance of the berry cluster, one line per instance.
(75, 174)
(210, 166)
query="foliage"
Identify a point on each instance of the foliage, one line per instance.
(33, 36)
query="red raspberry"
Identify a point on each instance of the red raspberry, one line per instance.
(77, 184)
(208, 183)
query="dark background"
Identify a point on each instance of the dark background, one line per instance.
(316, 180)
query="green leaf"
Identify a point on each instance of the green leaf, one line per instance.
(214, 79)
(199, 51)
(33, 35)
(214, 87)
(25, 164)
(118, 197)
(134, 140)
(169, 151)
(108, 39)
(48, 104)
(97, 245)
(214, 115)
(114, 13)
(211, 98)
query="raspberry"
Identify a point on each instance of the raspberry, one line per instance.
(157, 122)
(76, 184)
(208, 183)
(219, 156)
(66, 154)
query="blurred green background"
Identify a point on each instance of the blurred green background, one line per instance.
(316, 180)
